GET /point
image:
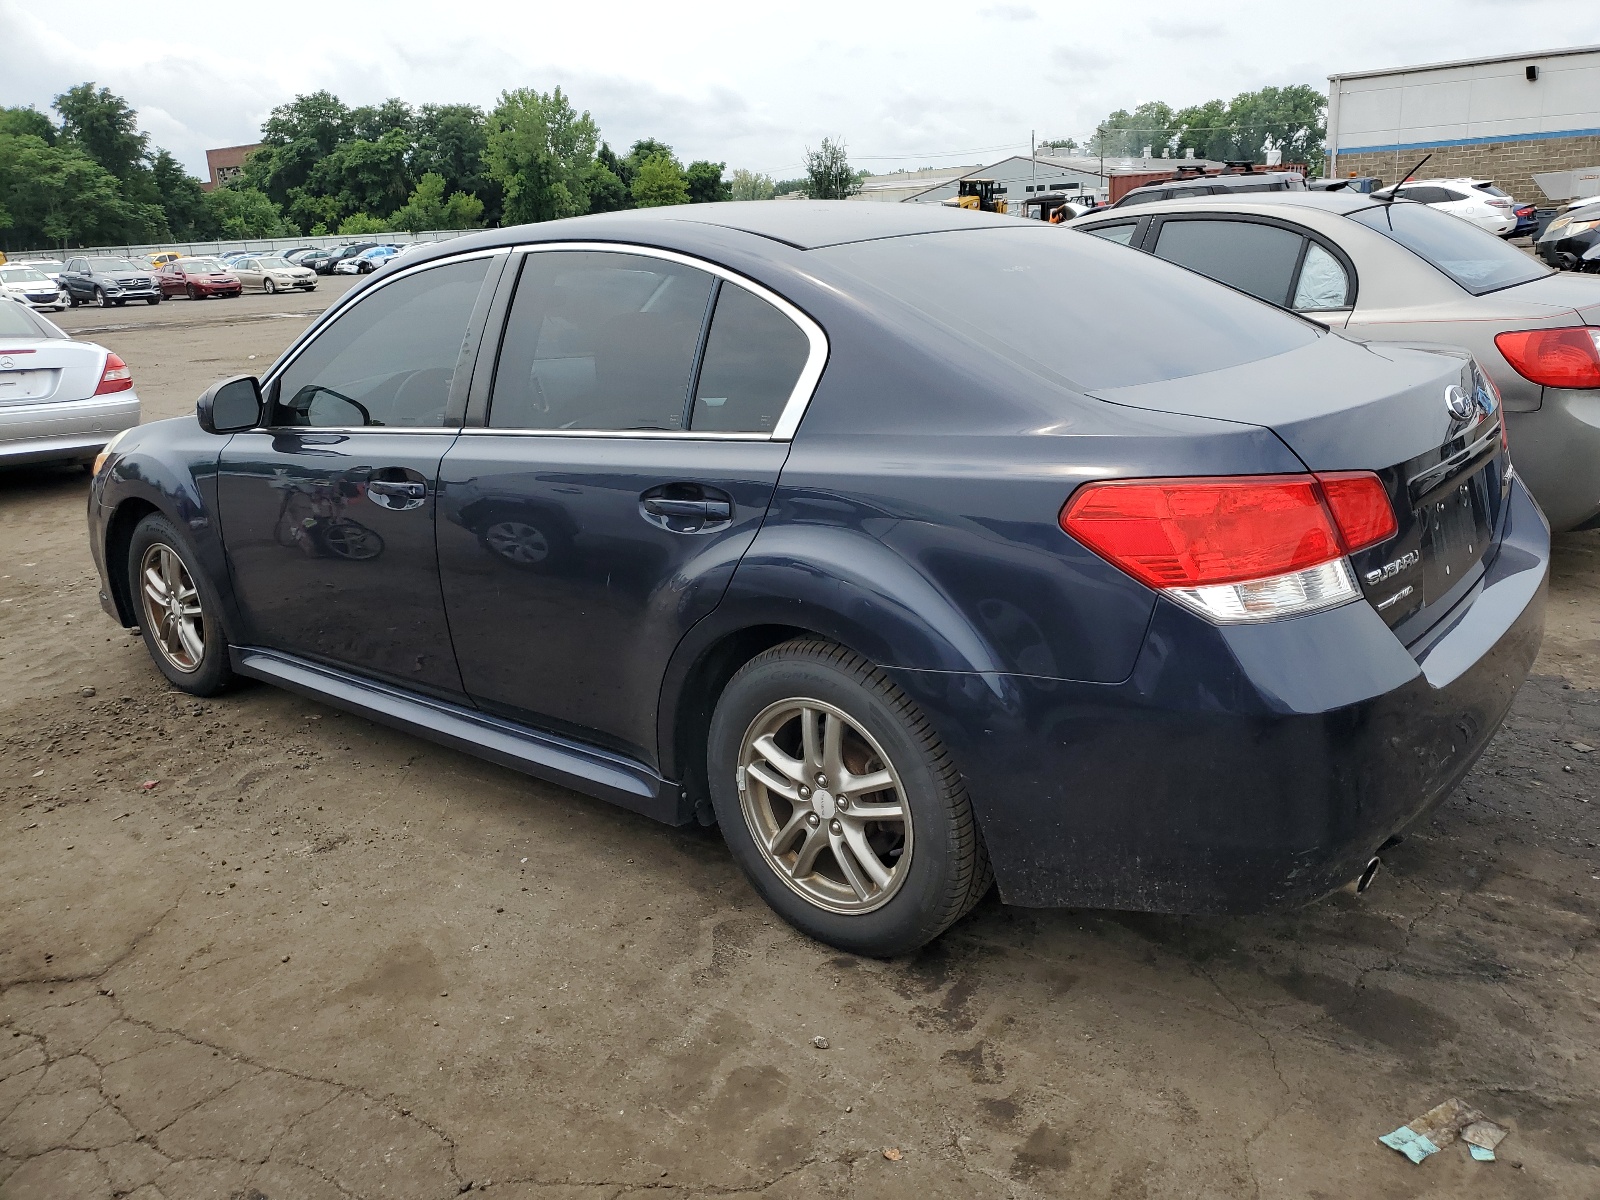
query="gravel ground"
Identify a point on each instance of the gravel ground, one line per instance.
(253, 948)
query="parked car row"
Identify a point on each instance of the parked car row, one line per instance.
(829, 524)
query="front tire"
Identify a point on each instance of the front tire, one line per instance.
(178, 609)
(269, 287)
(100, 298)
(840, 803)
(153, 300)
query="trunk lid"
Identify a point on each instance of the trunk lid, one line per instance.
(38, 371)
(1347, 406)
(1569, 290)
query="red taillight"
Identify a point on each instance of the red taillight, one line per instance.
(116, 377)
(1360, 508)
(1560, 358)
(1199, 532)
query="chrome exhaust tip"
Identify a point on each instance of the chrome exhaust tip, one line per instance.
(1364, 880)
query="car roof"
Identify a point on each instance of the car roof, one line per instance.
(1334, 202)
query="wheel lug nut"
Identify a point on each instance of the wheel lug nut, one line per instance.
(835, 827)
(813, 820)
(805, 792)
(822, 780)
(842, 803)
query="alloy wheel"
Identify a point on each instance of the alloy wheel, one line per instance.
(172, 609)
(518, 542)
(269, 287)
(825, 806)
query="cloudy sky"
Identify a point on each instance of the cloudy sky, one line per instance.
(752, 84)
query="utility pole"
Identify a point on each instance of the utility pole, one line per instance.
(1033, 157)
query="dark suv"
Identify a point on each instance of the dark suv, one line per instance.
(104, 280)
(1183, 188)
(821, 523)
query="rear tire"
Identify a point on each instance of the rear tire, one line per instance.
(179, 610)
(890, 866)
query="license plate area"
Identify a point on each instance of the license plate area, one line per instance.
(19, 386)
(1456, 524)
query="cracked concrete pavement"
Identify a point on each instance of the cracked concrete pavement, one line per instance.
(321, 959)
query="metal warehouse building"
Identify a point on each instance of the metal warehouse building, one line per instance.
(1506, 118)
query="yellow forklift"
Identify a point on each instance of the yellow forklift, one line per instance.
(982, 195)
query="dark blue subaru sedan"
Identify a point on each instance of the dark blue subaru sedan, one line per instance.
(839, 526)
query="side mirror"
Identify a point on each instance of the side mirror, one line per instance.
(230, 406)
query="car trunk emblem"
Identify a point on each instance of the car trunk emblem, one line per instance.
(1458, 402)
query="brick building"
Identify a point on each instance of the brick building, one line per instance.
(1506, 118)
(225, 162)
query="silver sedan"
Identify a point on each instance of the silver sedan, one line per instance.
(272, 274)
(59, 399)
(1404, 272)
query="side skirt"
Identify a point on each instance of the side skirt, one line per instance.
(612, 777)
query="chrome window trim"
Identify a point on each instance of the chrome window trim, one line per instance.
(794, 408)
(344, 304)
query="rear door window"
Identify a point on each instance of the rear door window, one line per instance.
(1323, 284)
(1122, 234)
(1257, 259)
(601, 341)
(753, 359)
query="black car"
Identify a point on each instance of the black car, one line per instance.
(1571, 242)
(823, 523)
(103, 280)
(321, 261)
(1226, 184)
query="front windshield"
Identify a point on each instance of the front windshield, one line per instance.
(1478, 261)
(273, 264)
(201, 266)
(23, 275)
(110, 266)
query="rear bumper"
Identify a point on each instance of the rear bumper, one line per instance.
(64, 428)
(1244, 768)
(1556, 449)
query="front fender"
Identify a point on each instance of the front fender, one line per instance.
(170, 466)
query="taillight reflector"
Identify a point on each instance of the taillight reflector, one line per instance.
(116, 377)
(1248, 547)
(1559, 358)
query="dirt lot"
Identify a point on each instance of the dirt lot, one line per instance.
(252, 948)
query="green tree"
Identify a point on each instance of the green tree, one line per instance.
(370, 123)
(104, 127)
(182, 198)
(451, 141)
(428, 208)
(828, 172)
(244, 212)
(29, 121)
(785, 187)
(607, 192)
(706, 184)
(1128, 134)
(58, 196)
(361, 223)
(1291, 119)
(750, 185)
(540, 151)
(295, 138)
(659, 181)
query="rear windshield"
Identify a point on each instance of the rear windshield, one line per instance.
(1003, 290)
(17, 322)
(1477, 260)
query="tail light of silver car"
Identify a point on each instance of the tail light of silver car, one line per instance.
(1237, 549)
(115, 378)
(1558, 358)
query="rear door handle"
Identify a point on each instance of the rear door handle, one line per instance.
(398, 495)
(705, 510)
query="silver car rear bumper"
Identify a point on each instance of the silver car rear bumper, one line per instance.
(64, 428)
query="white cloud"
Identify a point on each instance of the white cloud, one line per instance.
(751, 85)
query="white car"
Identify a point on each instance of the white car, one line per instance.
(1475, 200)
(50, 266)
(59, 399)
(32, 287)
